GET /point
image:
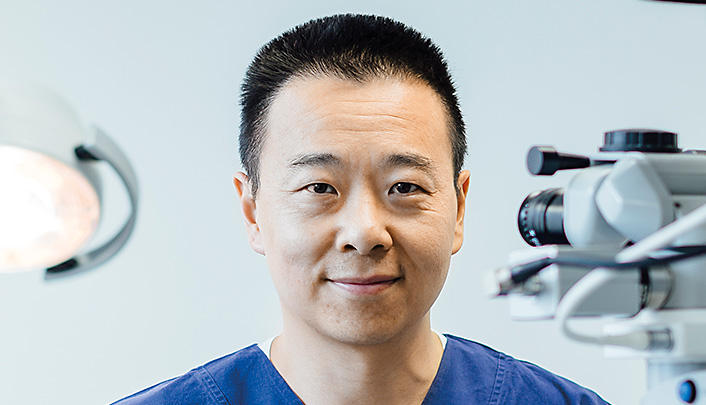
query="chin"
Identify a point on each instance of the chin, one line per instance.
(368, 332)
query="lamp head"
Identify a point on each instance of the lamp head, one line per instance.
(49, 199)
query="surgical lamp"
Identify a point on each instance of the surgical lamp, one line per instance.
(50, 185)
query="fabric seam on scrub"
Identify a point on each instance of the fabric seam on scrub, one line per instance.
(495, 395)
(207, 379)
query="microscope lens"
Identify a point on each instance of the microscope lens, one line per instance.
(541, 218)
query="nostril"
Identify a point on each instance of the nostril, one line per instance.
(349, 247)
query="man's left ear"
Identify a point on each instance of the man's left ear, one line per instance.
(249, 207)
(464, 180)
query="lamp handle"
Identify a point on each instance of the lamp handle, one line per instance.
(99, 146)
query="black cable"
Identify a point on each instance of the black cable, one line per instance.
(523, 272)
(684, 252)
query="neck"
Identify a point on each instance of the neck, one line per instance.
(322, 370)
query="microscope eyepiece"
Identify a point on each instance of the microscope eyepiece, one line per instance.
(541, 218)
(545, 161)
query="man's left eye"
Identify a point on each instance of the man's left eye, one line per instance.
(404, 188)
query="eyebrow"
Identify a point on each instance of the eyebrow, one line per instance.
(411, 160)
(315, 159)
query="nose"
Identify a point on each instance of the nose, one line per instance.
(364, 225)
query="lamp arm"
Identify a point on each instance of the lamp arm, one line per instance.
(100, 147)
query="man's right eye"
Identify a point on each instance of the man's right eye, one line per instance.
(321, 188)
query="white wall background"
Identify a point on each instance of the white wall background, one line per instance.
(162, 78)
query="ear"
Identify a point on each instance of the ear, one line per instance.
(464, 180)
(249, 207)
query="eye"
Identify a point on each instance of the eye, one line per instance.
(321, 188)
(404, 188)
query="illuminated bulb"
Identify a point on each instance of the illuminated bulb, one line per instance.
(48, 210)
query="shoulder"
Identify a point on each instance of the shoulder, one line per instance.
(201, 385)
(512, 380)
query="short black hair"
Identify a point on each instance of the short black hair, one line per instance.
(348, 46)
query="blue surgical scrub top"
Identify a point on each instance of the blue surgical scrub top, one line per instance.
(469, 373)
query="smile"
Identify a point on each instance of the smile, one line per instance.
(365, 286)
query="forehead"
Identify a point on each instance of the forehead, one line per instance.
(339, 116)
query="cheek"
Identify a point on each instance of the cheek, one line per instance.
(428, 243)
(432, 243)
(287, 227)
(294, 246)
(434, 231)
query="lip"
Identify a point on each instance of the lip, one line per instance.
(365, 285)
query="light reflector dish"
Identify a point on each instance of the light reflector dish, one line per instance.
(48, 210)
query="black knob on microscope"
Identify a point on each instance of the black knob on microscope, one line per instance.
(640, 140)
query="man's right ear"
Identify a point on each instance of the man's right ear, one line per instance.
(249, 208)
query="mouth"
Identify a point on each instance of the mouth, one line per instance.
(365, 285)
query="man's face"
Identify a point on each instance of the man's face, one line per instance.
(357, 213)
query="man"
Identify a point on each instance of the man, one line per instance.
(353, 143)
